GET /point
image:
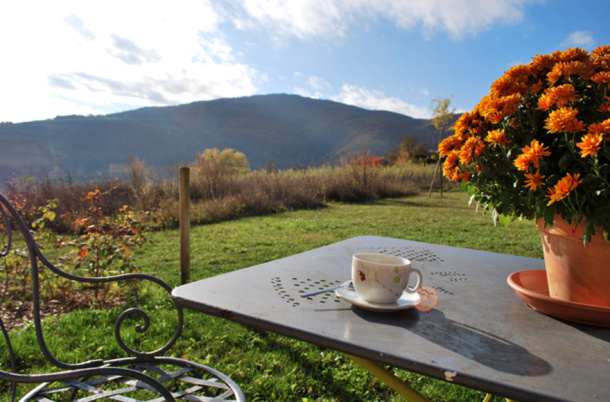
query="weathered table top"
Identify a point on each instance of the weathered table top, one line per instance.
(480, 334)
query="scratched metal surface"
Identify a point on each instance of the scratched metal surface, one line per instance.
(480, 334)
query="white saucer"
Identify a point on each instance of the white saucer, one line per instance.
(406, 301)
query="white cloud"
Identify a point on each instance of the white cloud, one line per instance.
(377, 100)
(80, 57)
(333, 18)
(578, 39)
(308, 94)
(85, 57)
(318, 83)
(457, 18)
(300, 18)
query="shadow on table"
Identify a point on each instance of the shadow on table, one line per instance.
(472, 343)
(601, 333)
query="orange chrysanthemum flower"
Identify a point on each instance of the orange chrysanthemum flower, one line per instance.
(603, 77)
(537, 87)
(458, 175)
(602, 63)
(574, 54)
(591, 143)
(559, 96)
(531, 154)
(497, 137)
(602, 128)
(555, 74)
(563, 188)
(448, 144)
(537, 151)
(545, 61)
(495, 108)
(519, 77)
(520, 72)
(534, 180)
(545, 102)
(490, 109)
(452, 158)
(464, 176)
(444, 147)
(563, 94)
(563, 69)
(601, 57)
(449, 166)
(502, 86)
(564, 120)
(523, 162)
(583, 69)
(479, 147)
(510, 104)
(467, 150)
(462, 124)
(601, 51)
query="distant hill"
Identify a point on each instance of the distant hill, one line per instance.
(286, 130)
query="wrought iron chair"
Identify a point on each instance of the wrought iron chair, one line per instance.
(140, 376)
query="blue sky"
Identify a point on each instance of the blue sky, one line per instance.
(99, 57)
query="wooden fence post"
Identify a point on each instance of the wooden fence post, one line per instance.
(185, 225)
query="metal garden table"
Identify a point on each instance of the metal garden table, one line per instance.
(480, 334)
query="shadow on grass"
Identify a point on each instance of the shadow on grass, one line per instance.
(317, 369)
(417, 201)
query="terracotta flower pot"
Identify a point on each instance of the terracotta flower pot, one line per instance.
(576, 272)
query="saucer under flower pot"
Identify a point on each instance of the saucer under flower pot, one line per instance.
(532, 287)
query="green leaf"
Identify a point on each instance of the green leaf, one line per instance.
(549, 214)
(505, 219)
(50, 215)
(564, 162)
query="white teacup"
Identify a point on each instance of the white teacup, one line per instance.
(382, 278)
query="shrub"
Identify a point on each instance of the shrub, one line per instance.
(226, 191)
(213, 170)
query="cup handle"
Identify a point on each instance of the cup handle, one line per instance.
(419, 281)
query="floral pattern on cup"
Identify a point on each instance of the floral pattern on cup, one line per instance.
(382, 278)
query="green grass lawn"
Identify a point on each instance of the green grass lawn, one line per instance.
(227, 246)
(271, 367)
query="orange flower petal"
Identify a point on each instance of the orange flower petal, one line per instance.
(564, 120)
(591, 143)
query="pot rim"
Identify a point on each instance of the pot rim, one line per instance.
(562, 228)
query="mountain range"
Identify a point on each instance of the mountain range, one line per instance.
(285, 131)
